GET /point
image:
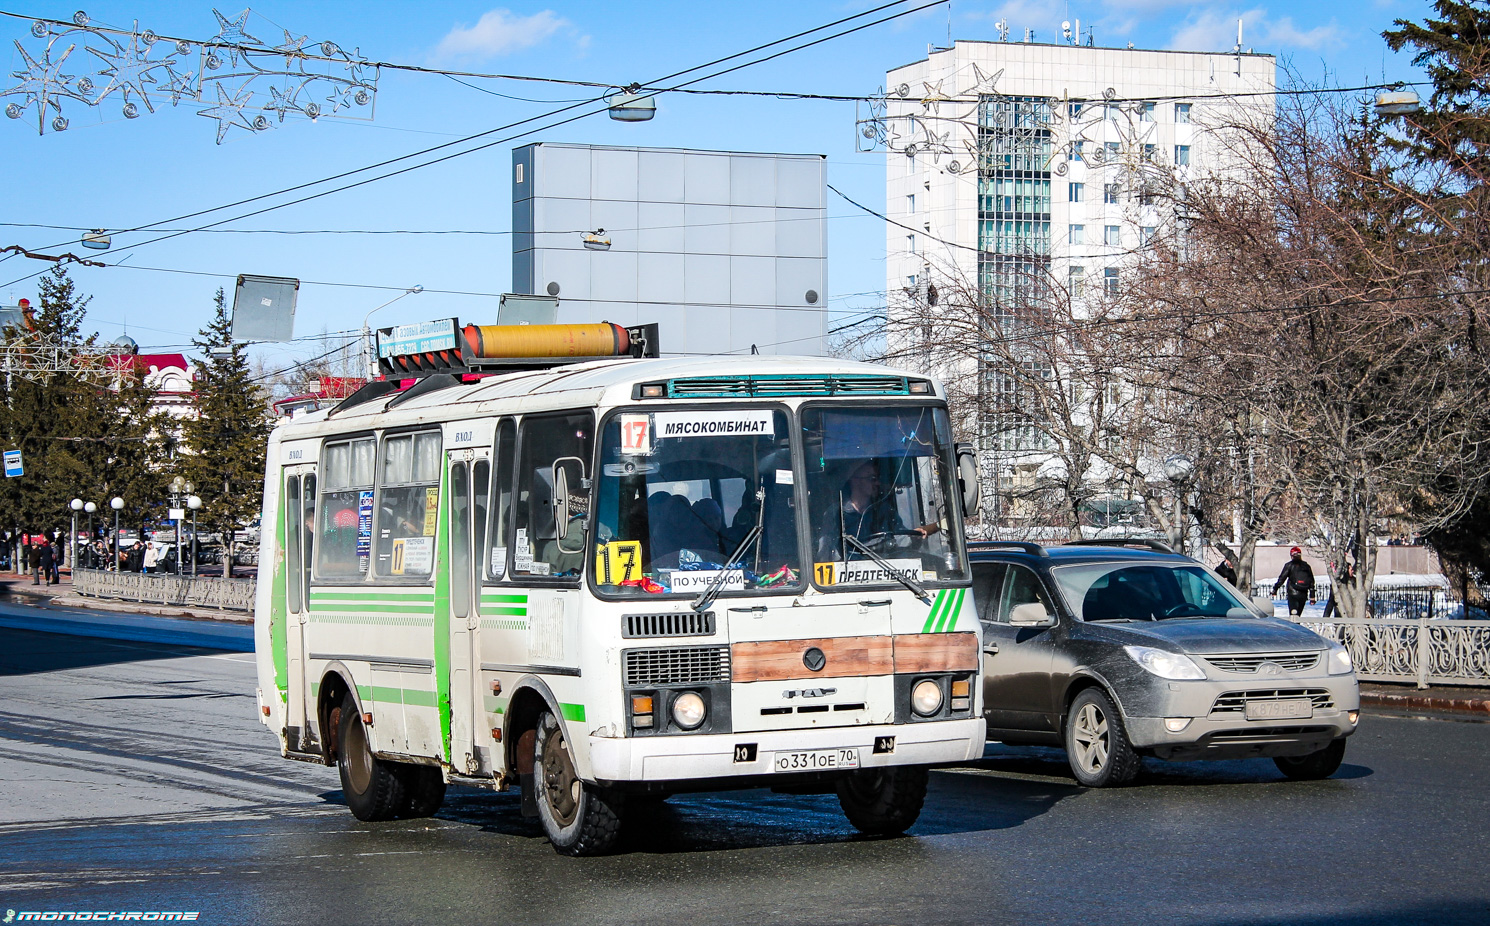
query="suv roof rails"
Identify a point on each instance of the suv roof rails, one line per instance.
(1033, 549)
(1156, 545)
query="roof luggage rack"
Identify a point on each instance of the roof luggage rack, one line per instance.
(1033, 549)
(1155, 545)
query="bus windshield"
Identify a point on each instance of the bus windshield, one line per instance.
(879, 495)
(681, 491)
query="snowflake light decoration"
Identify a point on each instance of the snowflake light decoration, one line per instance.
(232, 77)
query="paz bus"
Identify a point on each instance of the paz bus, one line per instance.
(543, 558)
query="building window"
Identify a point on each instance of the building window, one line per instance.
(1073, 108)
(1113, 151)
(1114, 236)
(1078, 150)
(1182, 155)
(1110, 281)
(1109, 192)
(1113, 111)
(1146, 112)
(910, 282)
(910, 203)
(910, 244)
(1150, 153)
(1076, 191)
(1145, 235)
(1077, 234)
(1182, 113)
(1076, 280)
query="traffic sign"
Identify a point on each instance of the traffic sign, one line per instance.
(13, 464)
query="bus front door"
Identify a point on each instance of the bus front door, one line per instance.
(298, 512)
(470, 478)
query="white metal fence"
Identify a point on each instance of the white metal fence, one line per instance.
(181, 591)
(1424, 651)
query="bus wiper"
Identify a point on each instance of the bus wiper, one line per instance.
(885, 565)
(716, 585)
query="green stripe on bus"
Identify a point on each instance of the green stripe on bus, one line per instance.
(504, 599)
(356, 607)
(373, 620)
(506, 612)
(340, 598)
(504, 625)
(381, 694)
(575, 712)
(936, 609)
(494, 704)
(954, 611)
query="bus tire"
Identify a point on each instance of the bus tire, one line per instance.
(883, 801)
(424, 789)
(578, 818)
(373, 788)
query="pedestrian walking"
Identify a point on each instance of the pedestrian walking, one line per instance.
(134, 560)
(1226, 572)
(46, 557)
(1298, 579)
(151, 558)
(33, 559)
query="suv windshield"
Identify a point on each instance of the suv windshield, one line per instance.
(680, 491)
(879, 495)
(1145, 592)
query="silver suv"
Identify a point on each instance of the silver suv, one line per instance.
(1113, 652)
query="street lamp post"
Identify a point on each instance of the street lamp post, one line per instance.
(90, 508)
(1178, 468)
(180, 490)
(369, 351)
(72, 557)
(116, 503)
(194, 503)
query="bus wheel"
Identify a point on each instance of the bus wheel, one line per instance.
(424, 787)
(579, 819)
(883, 801)
(373, 788)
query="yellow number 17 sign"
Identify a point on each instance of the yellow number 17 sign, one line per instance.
(617, 562)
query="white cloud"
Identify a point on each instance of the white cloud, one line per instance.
(1215, 30)
(499, 32)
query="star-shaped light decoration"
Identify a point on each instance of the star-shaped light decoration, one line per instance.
(931, 102)
(229, 111)
(936, 145)
(985, 84)
(292, 48)
(231, 34)
(42, 83)
(129, 69)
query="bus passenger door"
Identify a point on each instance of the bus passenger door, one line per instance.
(470, 476)
(298, 512)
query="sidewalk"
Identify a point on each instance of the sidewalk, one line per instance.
(1471, 702)
(61, 595)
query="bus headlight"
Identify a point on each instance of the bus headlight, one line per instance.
(926, 697)
(688, 710)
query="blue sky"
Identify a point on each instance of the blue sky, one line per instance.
(108, 171)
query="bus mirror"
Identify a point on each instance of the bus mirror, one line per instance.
(967, 479)
(571, 504)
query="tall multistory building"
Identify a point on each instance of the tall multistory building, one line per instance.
(1037, 172)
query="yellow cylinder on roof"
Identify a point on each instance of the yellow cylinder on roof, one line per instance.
(599, 340)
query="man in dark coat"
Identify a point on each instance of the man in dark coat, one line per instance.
(46, 557)
(1226, 572)
(32, 552)
(1298, 579)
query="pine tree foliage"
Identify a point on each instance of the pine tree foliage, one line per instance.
(224, 442)
(86, 433)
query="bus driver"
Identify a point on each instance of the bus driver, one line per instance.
(867, 514)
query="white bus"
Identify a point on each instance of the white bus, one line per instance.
(606, 582)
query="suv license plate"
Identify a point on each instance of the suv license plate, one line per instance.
(816, 760)
(1273, 710)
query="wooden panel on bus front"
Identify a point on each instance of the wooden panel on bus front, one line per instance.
(782, 660)
(936, 652)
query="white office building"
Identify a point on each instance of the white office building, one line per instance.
(1036, 170)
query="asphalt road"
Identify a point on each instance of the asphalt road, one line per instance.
(135, 777)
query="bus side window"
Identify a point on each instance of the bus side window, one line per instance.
(541, 547)
(501, 502)
(292, 540)
(309, 524)
(408, 504)
(342, 544)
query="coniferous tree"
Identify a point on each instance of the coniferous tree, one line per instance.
(224, 441)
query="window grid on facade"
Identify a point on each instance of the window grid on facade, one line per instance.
(1076, 192)
(1110, 281)
(1145, 112)
(1109, 193)
(1182, 113)
(1182, 155)
(1146, 234)
(1113, 236)
(1076, 234)
(1076, 281)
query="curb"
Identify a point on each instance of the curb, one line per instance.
(131, 607)
(1427, 703)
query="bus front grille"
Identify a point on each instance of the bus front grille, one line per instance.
(675, 624)
(676, 665)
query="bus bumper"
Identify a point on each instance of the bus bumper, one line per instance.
(684, 757)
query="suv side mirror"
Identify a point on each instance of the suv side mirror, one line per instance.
(967, 479)
(1031, 614)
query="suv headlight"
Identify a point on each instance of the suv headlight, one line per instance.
(1164, 663)
(1339, 660)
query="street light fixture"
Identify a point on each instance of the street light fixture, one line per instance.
(90, 508)
(193, 503)
(72, 557)
(116, 503)
(1178, 469)
(369, 350)
(180, 489)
